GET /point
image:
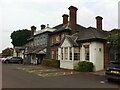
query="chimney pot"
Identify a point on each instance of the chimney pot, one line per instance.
(33, 29)
(65, 19)
(99, 22)
(72, 7)
(47, 25)
(42, 26)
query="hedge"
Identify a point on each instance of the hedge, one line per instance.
(84, 66)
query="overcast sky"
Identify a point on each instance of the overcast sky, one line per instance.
(22, 14)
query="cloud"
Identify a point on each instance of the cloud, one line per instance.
(85, 15)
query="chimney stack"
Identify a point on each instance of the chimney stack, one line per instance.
(99, 22)
(42, 26)
(73, 18)
(65, 19)
(33, 29)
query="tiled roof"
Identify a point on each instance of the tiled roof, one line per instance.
(30, 39)
(71, 39)
(91, 33)
(58, 26)
(66, 26)
(40, 51)
(80, 27)
(47, 29)
(62, 27)
(84, 34)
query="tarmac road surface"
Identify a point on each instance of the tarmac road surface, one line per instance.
(13, 77)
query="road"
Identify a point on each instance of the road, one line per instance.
(14, 78)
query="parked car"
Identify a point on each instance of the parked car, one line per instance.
(113, 71)
(3, 58)
(13, 60)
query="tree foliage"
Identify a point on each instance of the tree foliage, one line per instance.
(7, 52)
(19, 38)
(114, 38)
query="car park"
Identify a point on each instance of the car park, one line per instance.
(13, 60)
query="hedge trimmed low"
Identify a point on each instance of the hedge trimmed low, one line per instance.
(84, 66)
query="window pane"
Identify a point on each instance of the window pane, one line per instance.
(62, 53)
(66, 53)
(77, 53)
(76, 56)
(87, 53)
(70, 53)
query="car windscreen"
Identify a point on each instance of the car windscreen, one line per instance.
(114, 64)
(117, 56)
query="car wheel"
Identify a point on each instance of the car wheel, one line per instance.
(7, 62)
(20, 62)
(108, 79)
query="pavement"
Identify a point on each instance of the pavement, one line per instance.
(43, 71)
(102, 72)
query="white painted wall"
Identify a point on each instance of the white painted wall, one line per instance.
(65, 44)
(67, 64)
(82, 54)
(32, 59)
(22, 53)
(14, 53)
(97, 56)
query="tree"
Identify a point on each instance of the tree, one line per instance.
(19, 38)
(7, 52)
(114, 38)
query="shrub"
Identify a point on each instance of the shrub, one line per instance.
(51, 63)
(84, 66)
(55, 63)
(76, 67)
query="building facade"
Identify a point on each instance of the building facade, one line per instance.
(70, 43)
(38, 47)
